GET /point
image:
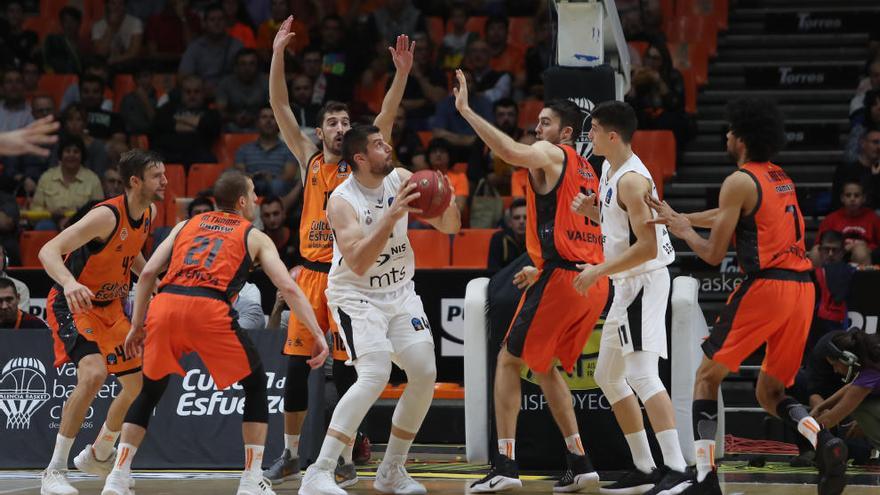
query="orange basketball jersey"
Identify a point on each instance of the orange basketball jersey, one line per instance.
(210, 252)
(553, 231)
(772, 236)
(106, 268)
(315, 236)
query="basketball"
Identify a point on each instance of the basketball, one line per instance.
(435, 193)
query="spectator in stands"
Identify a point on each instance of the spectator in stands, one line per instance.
(118, 36)
(144, 9)
(440, 159)
(506, 119)
(24, 294)
(112, 183)
(211, 55)
(505, 57)
(860, 226)
(396, 17)
(241, 95)
(185, 131)
(451, 126)
(279, 11)
(509, 243)
(11, 315)
(272, 213)
(138, 108)
(15, 112)
(870, 120)
(30, 77)
(96, 67)
(169, 32)
(408, 149)
(457, 39)
(25, 170)
(832, 277)
(17, 43)
(425, 87)
(65, 188)
(304, 109)
(872, 82)
(865, 169)
(63, 52)
(238, 23)
(73, 123)
(326, 86)
(342, 57)
(539, 56)
(492, 84)
(10, 251)
(249, 306)
(657, 95)
(269, 161)
(101, 124)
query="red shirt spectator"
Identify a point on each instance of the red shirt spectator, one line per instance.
(853, 220)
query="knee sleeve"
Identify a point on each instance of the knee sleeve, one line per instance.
(256, 402)
(421, 373)
(642, 374)
(609, 375)
(142, 408)
(296, 385)
(343, 377)
(373, 371)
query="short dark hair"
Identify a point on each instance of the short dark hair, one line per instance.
(569, 114)
(132, 163)
(831, 236)
(198, 201)
(231, 185)
(617, 116)
(6, 283)
(850, 181)
(355, 141)
(68, 140)
(245, 52)
(759, 124)
(439, 144)
(497, 19)
(505, 102)
(71, 12)
(268, 200)
(331, 106)
(517, 203)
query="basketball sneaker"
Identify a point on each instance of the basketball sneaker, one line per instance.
(831, 457)
(117, 483)
(346, 474)
(86, 462)
(503, 476)
(391, 477)
(285, 467)
(634, 482)
(55, 482)
(319, 480)
(579, 475)
(672, 483)
(709, 485)
(254, 485)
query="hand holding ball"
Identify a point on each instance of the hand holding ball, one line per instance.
(436, 193)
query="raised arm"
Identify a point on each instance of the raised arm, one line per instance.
(300, 144)
(536, 156)
(402, 55)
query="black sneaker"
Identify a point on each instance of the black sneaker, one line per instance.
(503, 476)
(804, 459)
(673, 482)
(831, 457)
(709, 485)
(634, 482)
(579, 475)
(283, 468)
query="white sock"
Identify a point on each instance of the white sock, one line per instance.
(641, 451)
(671, 449)
(330, 450)
(61, 453)
(253, 460)
(574, 445)
(103, 446)
(291, 443)
(809, 428)
(705, 450)
(124, 456)
(507, 447)
(347, 451)
(397, 446)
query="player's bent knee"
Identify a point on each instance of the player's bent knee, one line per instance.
(646, 386)
(614, 388)
(256, 401)
(143, 405)
(92, 377)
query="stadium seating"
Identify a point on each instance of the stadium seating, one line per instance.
(55, 85)
(228, 144)
(436, 31)
(431, 248)
(520, 31)
(425, 137)
(690, 90)
(475, 24)
(698, 29)
(658, 148)
(123, 84)
(470, 248)
(718, 10)
(528, 113)
(30, 242)
(140, 141)
(691, 56)
(201, 177)
(176, 175)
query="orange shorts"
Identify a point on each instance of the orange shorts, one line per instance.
(178, 324)
(100, 330)
(774, 307)
(554, 321)
(299, 339)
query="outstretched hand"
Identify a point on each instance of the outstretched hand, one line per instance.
(28, 140)
(460, 92)
(402, 54)
(284, 36)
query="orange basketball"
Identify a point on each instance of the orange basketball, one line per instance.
(435, 193)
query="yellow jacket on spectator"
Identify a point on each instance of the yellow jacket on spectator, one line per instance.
(53, 193)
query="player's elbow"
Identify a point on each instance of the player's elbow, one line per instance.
(47, 252)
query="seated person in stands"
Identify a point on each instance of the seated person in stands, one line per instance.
(506, 119)
(832, 276)
(24, 294)
(11, 316)
(241, 95)
(101, 123)
(73, 123)
(270, 162)
(112, 183)
(440, 159)
(408, 150)
(138, 108)
(273, 216)
(65, 188)
(448, 124)
(871, 120)
(865, 169)
(856, 355)
(185, 132)
(860, 226)
(509, 243)
(62, 52)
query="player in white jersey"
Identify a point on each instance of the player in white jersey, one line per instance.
(634, 334)
(370, 292)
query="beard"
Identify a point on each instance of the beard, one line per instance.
(382, 169)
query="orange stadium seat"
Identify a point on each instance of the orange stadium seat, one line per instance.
(690, 90)
(176, 175)
(520, 31)
(691, 56)
(123, 84)
(716, 9)
(696, 29)
(431, 248)
(40, 25)
(657, 151)
(228, 144)
(528, 113)
(436, 31)
(55, 85)
(425, 137)
(470, 248)
(140, 141)
(474, 24)
(201, 177)
(30, 242)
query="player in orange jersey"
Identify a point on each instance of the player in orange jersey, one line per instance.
(758, 210)
(91, 263)
(321, 173)
(552, 321)
(206, 260)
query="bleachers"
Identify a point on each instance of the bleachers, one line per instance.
(30, 242)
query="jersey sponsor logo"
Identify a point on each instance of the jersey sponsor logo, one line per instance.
(777, 176)
(588, 237)
(608, 196)
(342, 169)
(320, 234)
(110, 291)
(388, 278)
(197, 275)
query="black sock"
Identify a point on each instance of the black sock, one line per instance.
(705, 418)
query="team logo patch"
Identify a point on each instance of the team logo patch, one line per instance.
(608, 197)
(342, 169)
(315, 168)
(390, 200)
(417, 324)
(89, 331)
(298, 342)
(368, 220)
(123, 234)
(111, 359)
(23, 390)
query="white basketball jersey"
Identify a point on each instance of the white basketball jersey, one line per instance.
(395, 266)
(616, 231)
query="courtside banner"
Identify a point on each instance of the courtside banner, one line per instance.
(863, 305)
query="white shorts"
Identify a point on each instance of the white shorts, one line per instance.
(379, 322)
(636, 320)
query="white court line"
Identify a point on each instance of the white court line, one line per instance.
(15, 490)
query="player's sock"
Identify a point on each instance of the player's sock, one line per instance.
(574, 445)
(705, 418)
(397, 446)
(253, 460)
(641, 451)
(124, 455)
(330, 450)
(671, 448)
(291, 443)
(103, 446)
(507, 447)
(61, 453)
(348, 450)
(795, 415)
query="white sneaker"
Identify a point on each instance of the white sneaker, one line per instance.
(254, 485)
(391, 477)
(55, 482)
(86, 462)
(117, 483)
(320, 480)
